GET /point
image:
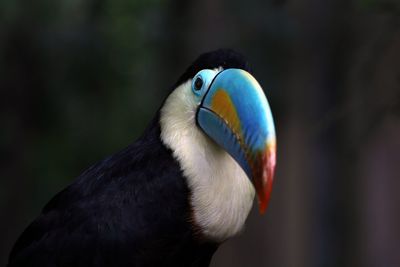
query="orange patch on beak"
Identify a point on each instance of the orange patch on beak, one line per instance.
(223, 106)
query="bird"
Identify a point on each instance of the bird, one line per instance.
(174, 195)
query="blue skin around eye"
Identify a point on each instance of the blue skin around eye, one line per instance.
(207, 76)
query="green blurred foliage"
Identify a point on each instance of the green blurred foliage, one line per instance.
(89, 58)
(390, 6)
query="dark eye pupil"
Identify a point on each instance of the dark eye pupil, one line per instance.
(198, 83)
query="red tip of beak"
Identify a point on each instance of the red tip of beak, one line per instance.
(263, 175)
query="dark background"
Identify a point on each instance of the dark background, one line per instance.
(80, 80)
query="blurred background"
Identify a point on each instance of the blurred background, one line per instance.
(81, 79)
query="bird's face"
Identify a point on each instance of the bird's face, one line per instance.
(216, 115)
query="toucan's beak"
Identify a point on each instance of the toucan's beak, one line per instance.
(235, 113)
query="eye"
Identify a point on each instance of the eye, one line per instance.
(201, 81)
(198, 83)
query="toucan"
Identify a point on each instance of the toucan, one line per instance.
(174, 195)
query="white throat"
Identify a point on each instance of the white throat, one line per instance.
(221, 193)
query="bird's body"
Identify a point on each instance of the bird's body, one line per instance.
(174, 195)
(99, 220)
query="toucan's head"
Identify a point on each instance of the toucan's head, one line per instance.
(219, 125)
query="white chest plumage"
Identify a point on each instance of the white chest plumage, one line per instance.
(221, 193)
